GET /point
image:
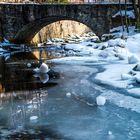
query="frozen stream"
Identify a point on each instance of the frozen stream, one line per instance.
(31, 110)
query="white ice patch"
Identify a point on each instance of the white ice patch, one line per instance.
(112, 74)
(33, 118)
(100, 100)
(68, 94)
(75, 60)
(126, 76)
(124, 101)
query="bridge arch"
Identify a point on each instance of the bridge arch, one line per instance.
(27, 32)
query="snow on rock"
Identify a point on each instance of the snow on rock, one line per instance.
(121, 56)
(117, 42)
(43, 69)
(76, 47)
(103, 54)
(68, 94)
(126, 76)
(133, 59)
(129, 14)
(112, 43)
(133, 44)
(121, 43)
(120, 31)
(100, 100)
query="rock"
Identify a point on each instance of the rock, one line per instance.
(137, 67)
(126, 76)
(100, 100)
(133, 59)
(89, 45)
(132, 73)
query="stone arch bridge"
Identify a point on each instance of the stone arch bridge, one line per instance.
(20, 22)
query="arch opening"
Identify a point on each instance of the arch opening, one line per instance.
(60, 29)
(33, 30)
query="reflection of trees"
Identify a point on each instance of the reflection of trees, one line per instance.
(23, 97)
(21, 106)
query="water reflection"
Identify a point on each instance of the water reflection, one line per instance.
(18, 76)
(22, 97)
(44, 78)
